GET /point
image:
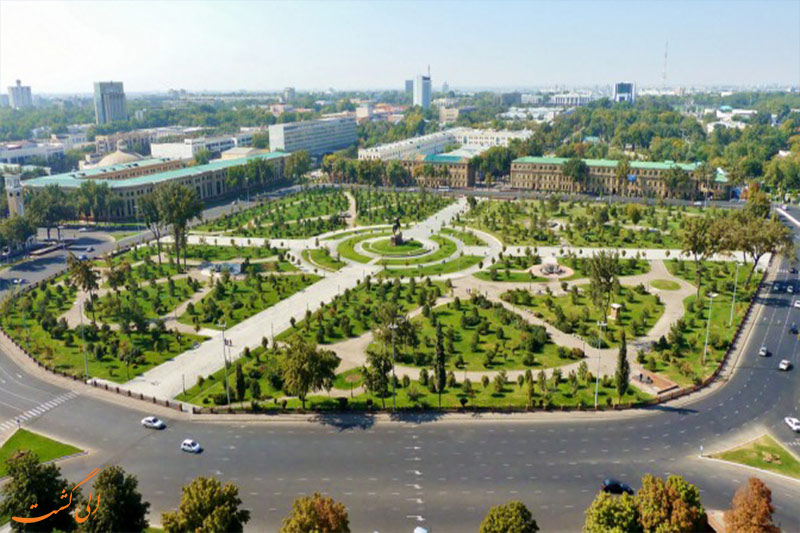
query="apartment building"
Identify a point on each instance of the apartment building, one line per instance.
(570, 99)
(22, 152)
(208, 180)
(432, 143)
(440, 170)
(19, 96)
(109, 102)
(645, 178)
(317, 137)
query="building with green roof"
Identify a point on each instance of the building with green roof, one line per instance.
(209, 180)
(656, 179)
(441, 170)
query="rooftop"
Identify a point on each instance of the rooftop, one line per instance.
(644, 165)
(72, 180)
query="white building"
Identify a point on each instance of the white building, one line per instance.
(19, 96)
(570, 99)
(528, 99)
(422, 91)
(470, 140)
(16, 205)
(190, 147)
(317, 137)
(22, 152)
(625, 91)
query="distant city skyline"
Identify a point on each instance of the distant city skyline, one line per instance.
(63, 47)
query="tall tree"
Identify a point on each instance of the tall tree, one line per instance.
(610, 514)
(751, 509)
(118, 501)
(316, 513)
(511, 517)
(307, 369)
(677, 180)
(84, 276)
(439, 362)
(623, 373)
(702, 237)
(207, 506)
(152, 215)
(32, 483)
(179, 205)
(578, 171)
(621, 174)
(673, 505)
(49, 207)
(604, 268)
(393, 331)
(757, 237)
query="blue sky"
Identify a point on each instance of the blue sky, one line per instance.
(252, 45)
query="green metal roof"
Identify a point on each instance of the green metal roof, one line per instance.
(70, 180)
(89, 172)
(642, 165)
(443, 158)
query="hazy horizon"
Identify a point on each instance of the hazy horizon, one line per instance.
(63, 47)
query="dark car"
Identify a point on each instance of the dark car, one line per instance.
(793, 270)
(793, 329)
(614, 486)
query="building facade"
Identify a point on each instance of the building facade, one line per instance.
(625, 91)
(190, 147)
(450, 115)
(209, 181)
(441, 170)
(570, 99)
(19, 96)
(22, 152)
(644, 179)
(14, 196)
(317, 137)
(109, 102)
(422, 91)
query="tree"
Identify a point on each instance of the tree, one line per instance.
(179, 205)
(84, 276)
(440, 373)
(676, 180)
(241, 386)
(16, 230)
(202, 157)
(576, 169)
(612, 514)
(623, 373)
(307, 369)
(621, 174)
(511, 517)
(751, 509)
(702, 237)
(758, 204)
(604, 268)
(207, 507)
(316, 513)
(757, 237)
(34, 483)
(119, 503)
(297, 164)
(393, 327)
(152, 215)
(49, 207)
(673, 505)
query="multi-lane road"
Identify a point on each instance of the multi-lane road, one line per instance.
(443, 474)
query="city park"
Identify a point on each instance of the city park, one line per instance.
(333, 298)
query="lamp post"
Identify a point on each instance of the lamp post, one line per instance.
(601, 325)
(711, 297)
(225, 359)
(393, 327)
(735, 283)
(83, 338)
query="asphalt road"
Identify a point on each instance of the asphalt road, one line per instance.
(444, 475)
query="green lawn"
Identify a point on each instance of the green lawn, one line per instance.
(351, 233)
(383, 207)
(234, 301)
(575, 312)
(665, 284)
(514, 223)
(47, 449)
(765, 453)
(352, 313)
(511, 276)
(481, 335)
(323, 259)
(154, 300)
(446, 248)
(629, 266)
(465, 236)
(347, 250)
(447, 267)
(386, 247)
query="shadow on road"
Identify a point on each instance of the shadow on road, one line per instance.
(670, 409)
(415, 417)
(345, 421)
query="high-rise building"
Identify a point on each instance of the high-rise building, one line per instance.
(19, 96)
(317, 137)
(422, 91)
(109, 102)
(410, 86)
(445, 88)
(624, 91)
(3, 100)
(289, 94)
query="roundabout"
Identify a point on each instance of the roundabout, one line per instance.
(387, 247)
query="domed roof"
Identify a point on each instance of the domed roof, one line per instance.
(121, 156)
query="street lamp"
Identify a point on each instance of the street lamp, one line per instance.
(225, 359)
(735, 283)
(711, 297)
(393, 327)
(601, 325)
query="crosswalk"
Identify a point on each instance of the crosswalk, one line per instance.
(793, 444)
(37, 411)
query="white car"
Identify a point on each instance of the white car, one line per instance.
(793, 423)
(190, 446)
(153, 422)
(797, 304)
(789, 289)
(763, 352)
(83, 229)
(785, 364)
